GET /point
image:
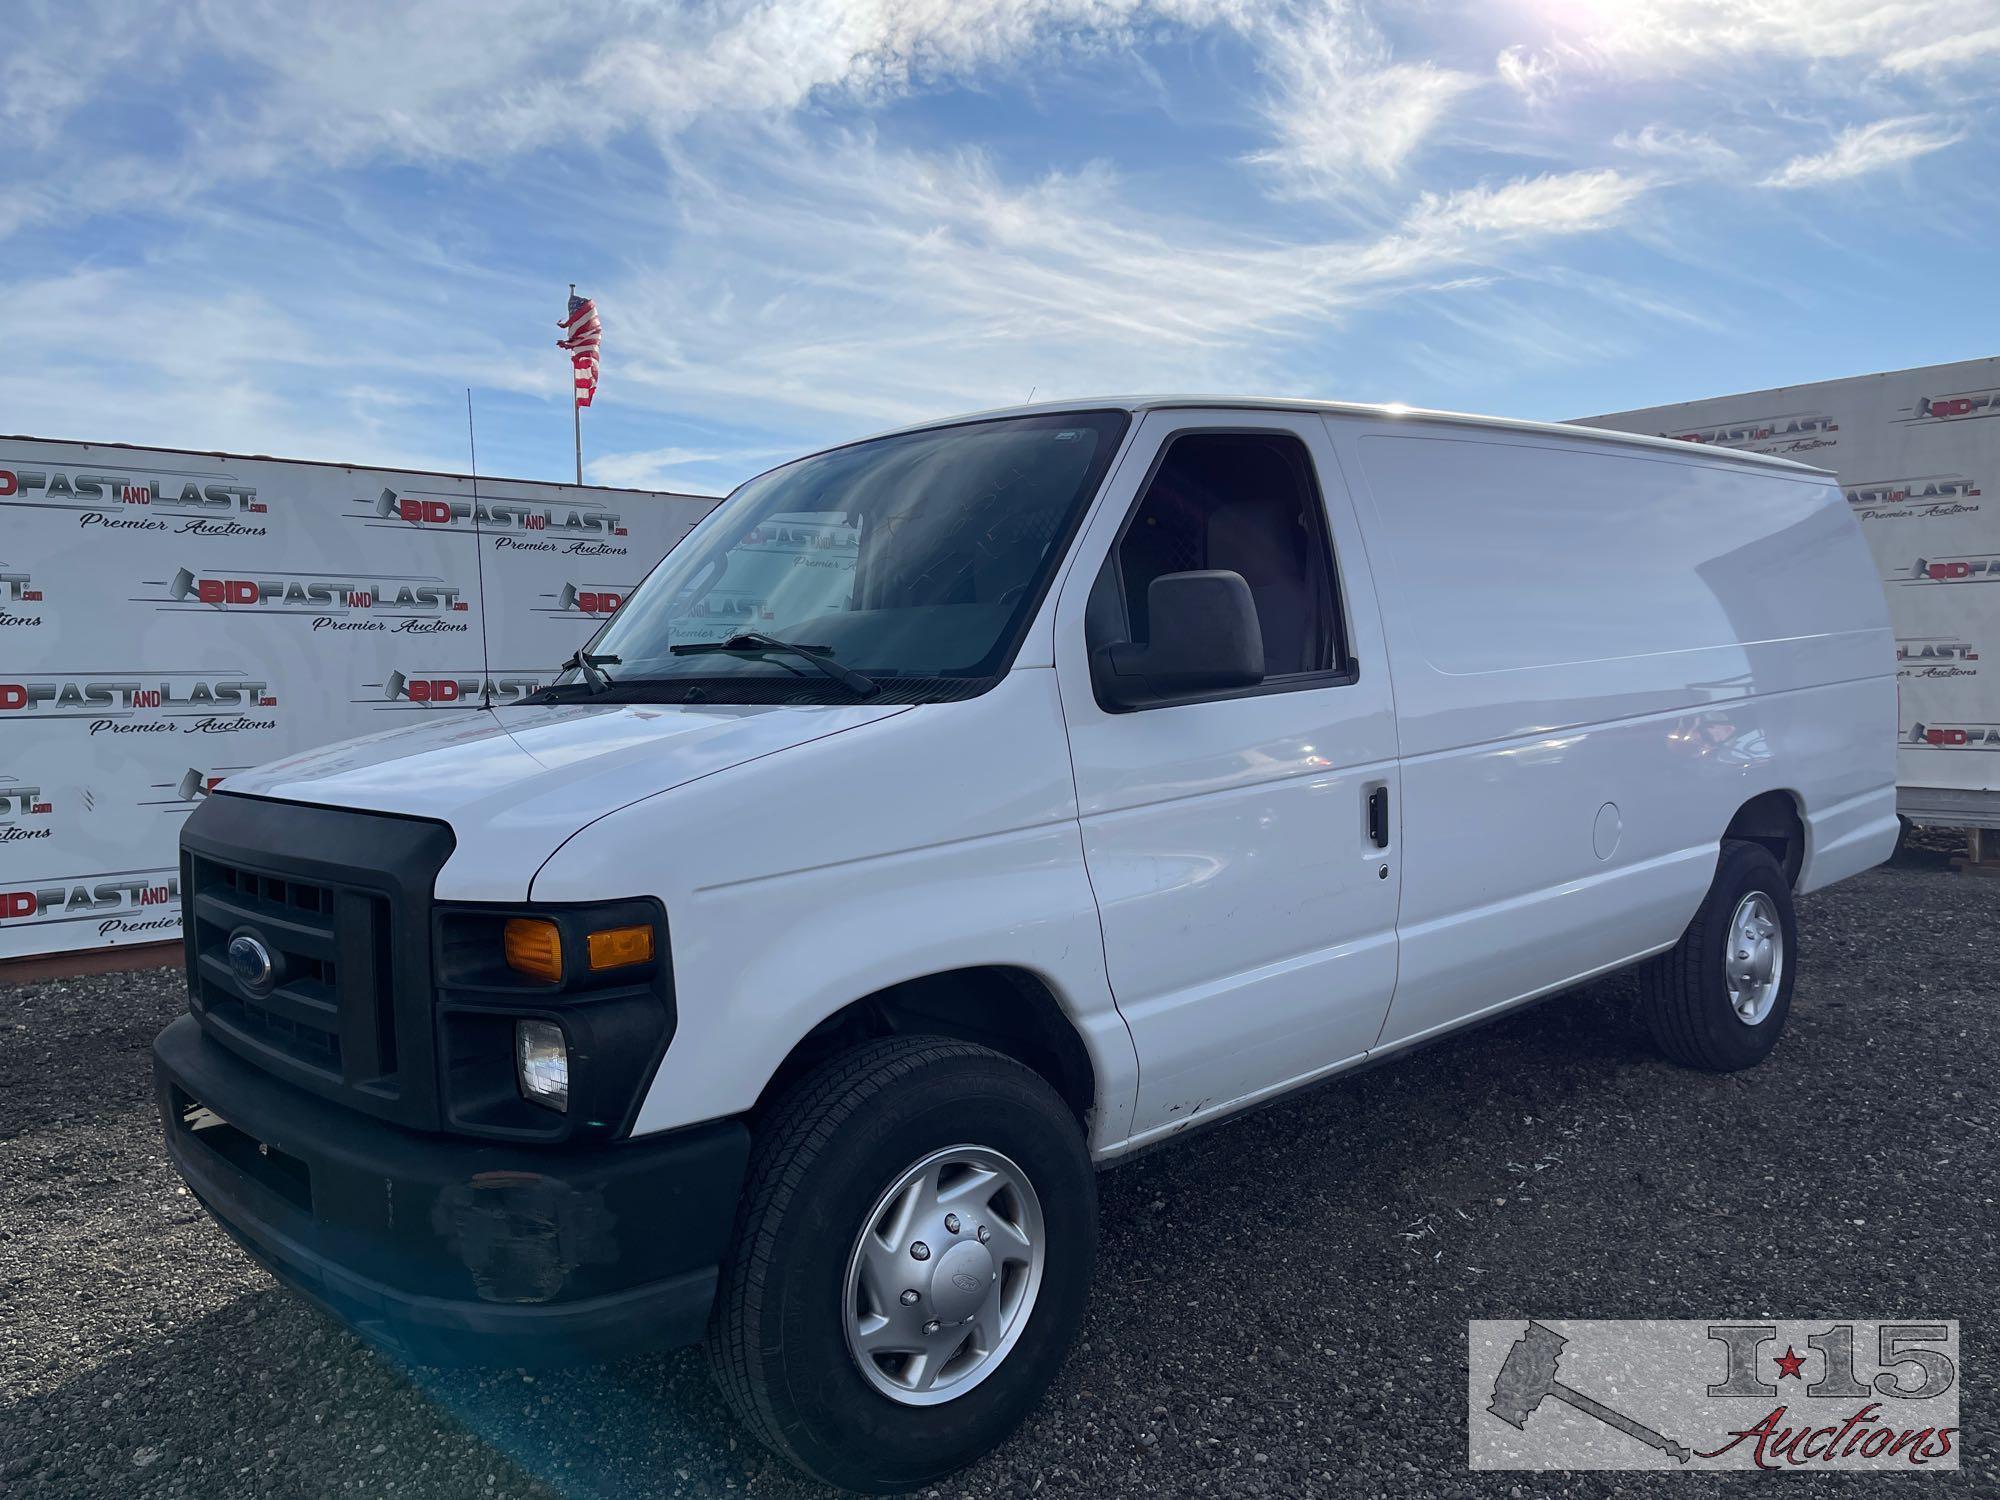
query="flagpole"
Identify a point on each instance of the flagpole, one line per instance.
(576, 409)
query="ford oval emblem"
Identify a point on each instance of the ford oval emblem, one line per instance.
(251, 962)
(965, 1283)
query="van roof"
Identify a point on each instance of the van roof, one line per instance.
(1389, 412)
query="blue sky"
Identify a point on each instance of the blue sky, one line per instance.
(304, 230)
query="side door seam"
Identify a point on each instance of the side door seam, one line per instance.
(1349, 484)
(1071, 572)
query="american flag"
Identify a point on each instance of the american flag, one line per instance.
(585, 334)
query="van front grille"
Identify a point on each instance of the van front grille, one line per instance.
(331, 1005)
(337, 904)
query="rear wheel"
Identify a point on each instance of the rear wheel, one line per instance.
(1719, 998)
(911, 1262)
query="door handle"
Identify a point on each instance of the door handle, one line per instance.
(1378, 816)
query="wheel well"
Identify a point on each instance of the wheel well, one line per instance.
(1010, 1010)
(1773, 820)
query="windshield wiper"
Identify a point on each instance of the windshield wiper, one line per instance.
(592, 668)
(756, 643)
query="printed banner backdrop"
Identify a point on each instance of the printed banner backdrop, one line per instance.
(167, 618)
(1918, 453)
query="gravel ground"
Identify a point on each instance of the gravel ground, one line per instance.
(1280, 1304)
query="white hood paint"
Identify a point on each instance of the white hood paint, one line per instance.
(513, 783)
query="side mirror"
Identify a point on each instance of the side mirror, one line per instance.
(1206, 639)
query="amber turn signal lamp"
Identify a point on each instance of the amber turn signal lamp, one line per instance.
(615, 947)
(533, 947)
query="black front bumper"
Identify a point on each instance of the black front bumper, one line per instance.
(450, 1250)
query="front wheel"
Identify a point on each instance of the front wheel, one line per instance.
(911, 1262)
(1719, 998)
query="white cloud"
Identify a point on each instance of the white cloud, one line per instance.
(475, 83)
(883, 285)
(783, 256)
(1690, 150)
(1949, 51)
(674, 468)
(36, 101)
(774, 272)
(162, 353)
(1341, 107)
(774, 57)
(454, 82)
(1861, 149)
(466, 80)
(1587, 39)
(1551, 204)
(1530, 74)
(461, 79)
(1374, 121)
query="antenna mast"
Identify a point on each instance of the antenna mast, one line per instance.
(479, 558)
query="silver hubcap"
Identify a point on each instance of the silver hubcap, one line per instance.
(1755, 962)
(944, 1274)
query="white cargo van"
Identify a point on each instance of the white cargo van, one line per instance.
(957, 811)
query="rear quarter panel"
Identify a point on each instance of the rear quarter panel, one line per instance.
(1599, 654)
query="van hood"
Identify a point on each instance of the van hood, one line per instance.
(514, 783)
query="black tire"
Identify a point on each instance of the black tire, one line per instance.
(1684, 993)
(824, 1153)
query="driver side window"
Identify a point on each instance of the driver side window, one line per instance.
(1246, 502)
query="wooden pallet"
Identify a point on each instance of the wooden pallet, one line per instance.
(1982, 855)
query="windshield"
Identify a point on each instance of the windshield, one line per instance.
(913, 559)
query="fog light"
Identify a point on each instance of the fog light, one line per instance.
(541, 1062)
(533, 947)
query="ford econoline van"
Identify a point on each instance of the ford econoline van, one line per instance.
(959, 811)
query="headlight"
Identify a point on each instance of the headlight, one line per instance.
(541, 1063)
(551, 1016)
